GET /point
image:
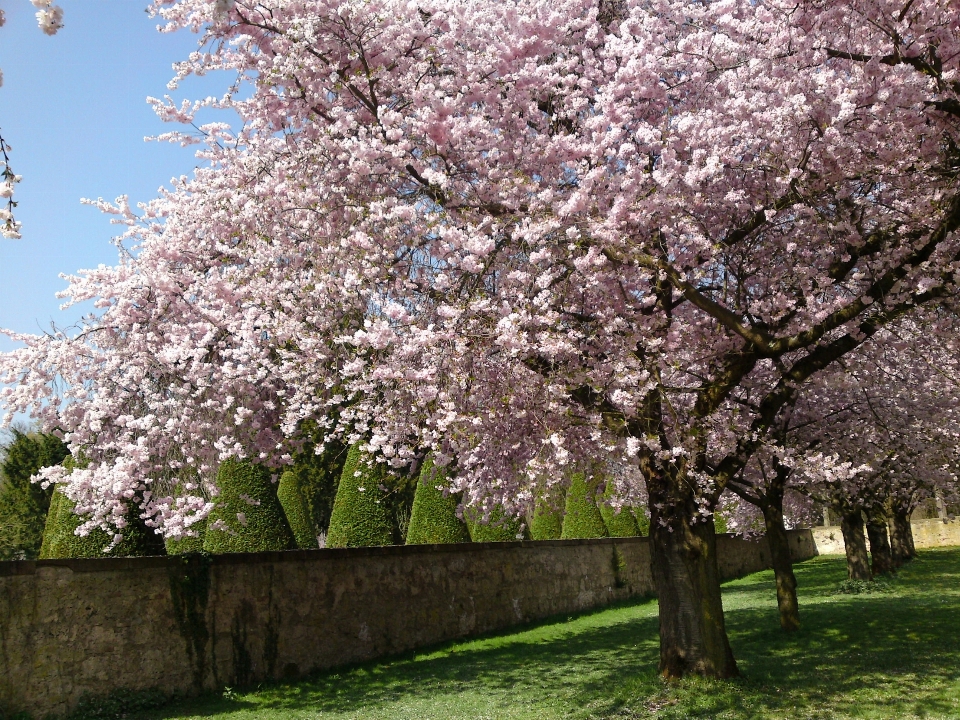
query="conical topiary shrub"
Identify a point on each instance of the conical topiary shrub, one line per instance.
(620, 522)
(50, 526)
(643, 520)
(582, 518)
(62, 541)
(360, 515)
(434, 515)
(296, 510)
(499, 528)
(318, 476)
(188, 544)
(249, 508)
(547, 520)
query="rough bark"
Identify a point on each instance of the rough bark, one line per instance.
(881, 558)
(851, 525)
(693, 636)
(782, 564)
(901, 538)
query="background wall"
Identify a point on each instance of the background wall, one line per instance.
(926, 533)
(69, 627)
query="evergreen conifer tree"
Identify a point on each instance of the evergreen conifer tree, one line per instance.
(296, 510)
(360, 514)
(582, 518)
(24, 505)
(249, 508)
(434, 515)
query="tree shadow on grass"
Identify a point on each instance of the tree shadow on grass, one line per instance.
(881, 655)
(561, 663)
(877, 655)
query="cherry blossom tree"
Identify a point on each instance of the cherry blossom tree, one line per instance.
(521, 236)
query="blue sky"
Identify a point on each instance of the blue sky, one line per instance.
(73, 108)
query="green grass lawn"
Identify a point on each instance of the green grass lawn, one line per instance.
(892, 654)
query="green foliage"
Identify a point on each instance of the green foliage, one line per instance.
(433, 518)
(879, 584)
(24, 505)
(500, 527)
(547, 520)
(361, 514)
(249, 507)
(187, 544)
(582, 518)
(318, 476)
(50, 525)
(619, 523)
(119, 704)
(643, 520)
(138, 539)
(296, 510)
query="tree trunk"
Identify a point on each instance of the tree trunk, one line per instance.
(882, 560)
(851, 525)
(901, 538)
(782, 565)
(693, 637)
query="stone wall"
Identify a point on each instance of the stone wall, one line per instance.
(926, 534)
(70, 627)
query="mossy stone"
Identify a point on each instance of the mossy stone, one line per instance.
(249, 507)
(582, 518)
(500, 527)
(360, 516)
(434, 515)
(296, 510)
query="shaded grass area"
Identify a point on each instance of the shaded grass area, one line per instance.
(894, 654)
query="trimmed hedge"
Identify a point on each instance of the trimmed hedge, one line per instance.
(249, 507)
(318, 476)
(433, 518)
(643, 520)
(296, 510)
(49, 527)
(187, 544)
(500, 528)
(361, 516)
(582, 518)
(547, 520)
(61, 540)
(620, 523)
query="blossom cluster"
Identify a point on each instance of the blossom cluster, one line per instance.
(526, 237)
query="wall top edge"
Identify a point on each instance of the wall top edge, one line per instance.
(115, 564)
(119, 564)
